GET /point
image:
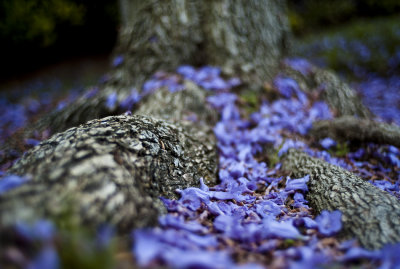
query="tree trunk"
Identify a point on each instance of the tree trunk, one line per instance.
(369, 214)
(244, 38)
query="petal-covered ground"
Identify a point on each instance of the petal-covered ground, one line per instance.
(256, 216)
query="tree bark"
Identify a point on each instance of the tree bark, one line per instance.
(357, 130)
(369, 214)
(114, 169)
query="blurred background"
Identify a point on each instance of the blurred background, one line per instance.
(65, 45)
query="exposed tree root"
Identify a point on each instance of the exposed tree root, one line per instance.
(115, 169)
(359, 130)
(369, 214)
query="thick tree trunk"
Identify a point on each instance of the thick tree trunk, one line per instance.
(244, 38)
(369, 214)
(113, 170)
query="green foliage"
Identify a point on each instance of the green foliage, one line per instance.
(37, 21)
(251, 100)
(77, 245)
(310, 15)
(341, 150)
(78, 250)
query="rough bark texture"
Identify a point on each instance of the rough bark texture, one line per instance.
(114, 169)
(359, 130)
(157, 35)
(340, 97)
(369, 214)
(246, 38)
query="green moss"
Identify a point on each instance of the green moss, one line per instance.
(341, 150)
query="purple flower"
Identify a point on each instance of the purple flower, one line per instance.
(47, 258)
(299, 64)
(283, 229)
(178, 222)
(104, 236)
(192, 197)
(390, 256)
(297, 184)
(329, 223)
(147, 246)
(186, 71)
(327, 143)
(118, 60)
(111, 101)
(286, 86)
(132, 99)
(268, 209)
(10, 182)
(31, 142)
(357, 253)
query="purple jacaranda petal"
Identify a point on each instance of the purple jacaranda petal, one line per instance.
(47, 258)
(111, 101)
(356, 155)
(104, 236)
(10, 182)
(327, 143)
(329, 223)
(90, 93)
(297, 184)
(192, 197)
(300, 64)
(132, 99)
(186, 71)
(236, 170)
(357, 253)
(147, 246)
(309, 258)
(220, 100)
(225, 223)
(118, 60)
(44, 230)
(198, 259)
(283, 229)
(268, 209)
(310, 223)
(286, 86)
(178, 222)
(150, 86)
(234, 82)
(31, 142)
(290, 144)
(230, 112)
(390, 257)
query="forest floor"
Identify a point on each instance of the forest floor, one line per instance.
(255, 216)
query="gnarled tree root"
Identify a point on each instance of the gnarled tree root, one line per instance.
(113, 170)
(360, 130)
(369, 214)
